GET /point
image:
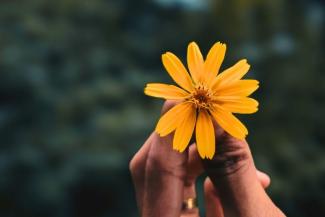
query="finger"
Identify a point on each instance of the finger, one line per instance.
(213, 204)
(233, 173)
(161, 153)
(194, 165)
(168, 104)
(137, 168)
(138, 164)
(264, 179)
(194, 170)
(190, 213)
(164, 178)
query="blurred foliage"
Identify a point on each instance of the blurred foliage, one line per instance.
(73, 112)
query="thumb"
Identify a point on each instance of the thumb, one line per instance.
(212, 199)
(232, 155)
(233, 173)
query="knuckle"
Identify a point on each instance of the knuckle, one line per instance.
(136, 166)
(232, 156)
(132, 165)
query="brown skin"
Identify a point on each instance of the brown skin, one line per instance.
(163, 178)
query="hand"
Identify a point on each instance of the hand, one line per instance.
(233, 188)
(163, 178)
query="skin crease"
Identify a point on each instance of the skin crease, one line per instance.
(163, 178)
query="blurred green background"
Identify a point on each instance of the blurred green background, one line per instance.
(73, 112)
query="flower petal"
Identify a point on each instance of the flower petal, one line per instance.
(205, 139)
(237, 104)
(170, 120)
(177, 71)
(229, 122)
(231, 74)
(194, 61)
(185, 130)
(238, 88)
(214, 60)
(165, 91)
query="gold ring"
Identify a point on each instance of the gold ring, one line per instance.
(190, 203)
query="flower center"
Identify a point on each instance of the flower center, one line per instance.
(201, 97)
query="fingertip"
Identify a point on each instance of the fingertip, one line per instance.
(222, 136)
(209, 187)
(168, 104)
(219, 132)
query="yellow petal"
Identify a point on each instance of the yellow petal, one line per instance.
(231, 74)
(229, 122)
(165, 91)
(170, 120)
(194, 61)
(185, 130)
(214, 60)
(205, 139)
(237, 104)
(177, 71)
(238, 88)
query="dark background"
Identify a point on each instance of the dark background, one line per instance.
(73, 112)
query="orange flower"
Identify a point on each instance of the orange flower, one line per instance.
(204, 95)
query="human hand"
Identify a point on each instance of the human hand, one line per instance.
(233, 188)
(164, 178)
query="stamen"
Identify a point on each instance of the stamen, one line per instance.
(201, 97)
